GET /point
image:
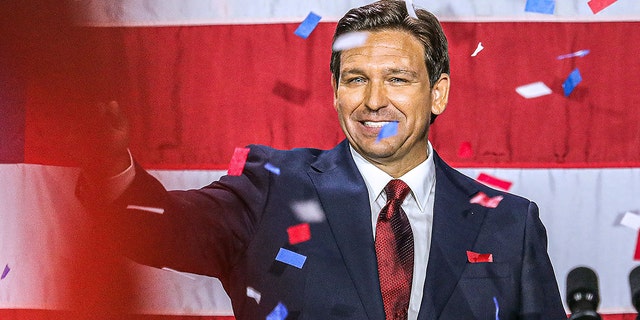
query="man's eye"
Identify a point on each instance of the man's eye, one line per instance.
(397, 80)
(356, 80)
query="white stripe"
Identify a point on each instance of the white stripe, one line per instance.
(580, 208)
(223, 12)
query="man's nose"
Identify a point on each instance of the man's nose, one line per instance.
(376, 96)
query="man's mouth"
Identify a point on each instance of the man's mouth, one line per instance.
(375, 124)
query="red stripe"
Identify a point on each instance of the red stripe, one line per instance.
(193, 94)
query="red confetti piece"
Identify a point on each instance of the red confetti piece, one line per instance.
(482, 199)
(636, 256)
(474, 257)
(465, 150)
(493, 181)
(299, 233)
(599, 5)
(238, 160)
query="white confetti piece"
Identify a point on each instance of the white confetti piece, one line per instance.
(308, 211)
(533, 90)
(148, 209)
(350, 40)
(253, 293)
(631, 220)
(410, 10)
(580, 54)
(478, 49)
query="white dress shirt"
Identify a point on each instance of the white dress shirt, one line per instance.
(418, 207)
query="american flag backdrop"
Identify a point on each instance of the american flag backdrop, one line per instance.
(198, 78)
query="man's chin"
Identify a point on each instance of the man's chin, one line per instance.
(377, 152)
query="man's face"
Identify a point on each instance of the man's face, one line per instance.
(382, 81)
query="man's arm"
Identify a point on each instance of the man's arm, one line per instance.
(539, 289)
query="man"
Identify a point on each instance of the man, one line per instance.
(453, 259)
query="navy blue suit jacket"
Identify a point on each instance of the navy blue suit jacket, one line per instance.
(234, 228)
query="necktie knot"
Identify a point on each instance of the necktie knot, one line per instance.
(396, 191)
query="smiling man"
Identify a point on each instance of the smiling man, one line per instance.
(401, 237)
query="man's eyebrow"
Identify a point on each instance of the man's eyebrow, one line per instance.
(390, 71)
(351, 71)
(410, 73)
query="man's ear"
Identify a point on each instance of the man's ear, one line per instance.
(440, 94)
(334, 85)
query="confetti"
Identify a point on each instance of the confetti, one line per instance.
(180, 273)
(350, 40)
(253, 293)
(465, 150)
(580, 54)
(494, 182)
(388, 130)
(238, 160)
(291, 258)
(599, 5)
(308, 211)
(533, 90)
(291, 93)
(308, 24)
(482, 199)
(631, 220)
(636, 256)
(540, 6)
(478, 49)
(571, 82)
(280, 312)
(5, 272)
(272, 168)
(410, 10)
(143, 208)
(495, 301)
(474, 257)
(299, 233)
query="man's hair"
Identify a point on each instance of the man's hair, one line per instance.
(393, 15)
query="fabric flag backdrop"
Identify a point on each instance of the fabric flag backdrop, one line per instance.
(198, 78)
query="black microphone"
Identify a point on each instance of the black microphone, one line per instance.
(634, 283)
(582, 294)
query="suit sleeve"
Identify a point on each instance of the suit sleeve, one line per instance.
(539, 290)
(202, 231)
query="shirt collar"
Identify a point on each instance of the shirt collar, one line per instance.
(420, 179)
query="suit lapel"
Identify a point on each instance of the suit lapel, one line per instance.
(345, 201)
(456, 224)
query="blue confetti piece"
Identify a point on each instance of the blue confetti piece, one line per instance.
(280, 312)
(308, 24)
(291, 258)
(495, 301)
(388, 130)
(5, 272)
(571, 82)
(541, 6)
(272, 168)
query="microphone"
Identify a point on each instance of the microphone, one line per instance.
(582, 294)
(634, 283)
